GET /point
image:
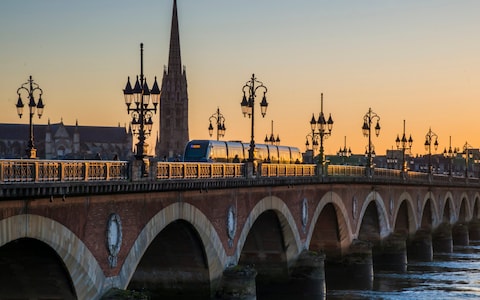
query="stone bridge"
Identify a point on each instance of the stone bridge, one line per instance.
(76, 231)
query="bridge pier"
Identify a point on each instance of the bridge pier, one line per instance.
(238, 282)
(442, 239)
(353, 270)
(474, 230)
(460, 234)
(391, 254)
(307, 279)
(420, 246)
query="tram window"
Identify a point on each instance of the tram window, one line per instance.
(284, 154)
(273, 154)
(261, 152)
(235, 149)
(218, 153)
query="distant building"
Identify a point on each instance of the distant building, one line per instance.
(59, 141)
(174, 100)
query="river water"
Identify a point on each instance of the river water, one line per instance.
(453, 275)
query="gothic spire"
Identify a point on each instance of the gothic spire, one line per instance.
(174, 59)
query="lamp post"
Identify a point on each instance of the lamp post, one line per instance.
(344, 153)
(323, 129)
(309, 138)
(220, 122)
(428, 147)
(450, 154)
(313, 139)
(368, 118)
(272, 140)
(248, 108)
(404, 144)
(466, 152)
(141, 111)
(30, 88)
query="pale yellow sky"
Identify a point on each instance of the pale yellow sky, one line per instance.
(412, 60)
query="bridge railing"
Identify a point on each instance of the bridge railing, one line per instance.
(282, 170)
(179, 170)
(342, 170)
(31, 171)
(19, 170)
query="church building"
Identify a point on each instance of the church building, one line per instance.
(60, 141)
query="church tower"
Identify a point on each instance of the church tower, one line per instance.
(173, 100)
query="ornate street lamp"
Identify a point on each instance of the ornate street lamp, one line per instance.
(220, 124)
(428, 147)
(404, 144)
(272, 140)
(344, 153)
(323, 129)
(30, 88)
(450, 154)
(248, 108)
(141, 111)
(310, 149)
(467, 154)
(368, 119)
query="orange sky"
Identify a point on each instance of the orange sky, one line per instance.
(411, 60)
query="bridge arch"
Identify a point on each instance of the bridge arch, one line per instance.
(86, 275)
(290, 231)
(475, 207)
(214, 250)
(464, 211)
(374, 198)
(345, 235)
(448, 212)
(404, 219)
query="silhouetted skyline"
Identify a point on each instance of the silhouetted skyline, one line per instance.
(412, 60)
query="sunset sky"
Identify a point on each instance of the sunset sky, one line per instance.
(417, 61)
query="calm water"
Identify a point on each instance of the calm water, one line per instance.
(450, 276)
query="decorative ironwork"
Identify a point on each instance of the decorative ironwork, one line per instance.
(18, 170)
(30, 88)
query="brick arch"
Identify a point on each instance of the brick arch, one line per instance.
(464, 201)
(290, 231)
(437, 217)
(345, 227)
(87, 276)
(383, 222)
(452, 213)
(475, 207)
(214, 250)
(412, 220)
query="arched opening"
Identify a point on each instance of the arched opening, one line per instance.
(370, 226)
(462, 215)
(326, 235)
(427, 216)
(30, 269)
(474, 226)
(475, 212)
(264, 249)
(446, 213)
(402, 222)
(174, 265)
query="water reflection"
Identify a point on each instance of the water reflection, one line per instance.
(449, 276)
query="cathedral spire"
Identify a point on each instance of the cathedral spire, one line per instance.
(173, 116)
(174, 58)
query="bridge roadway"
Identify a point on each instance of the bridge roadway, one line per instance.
(76, 229)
